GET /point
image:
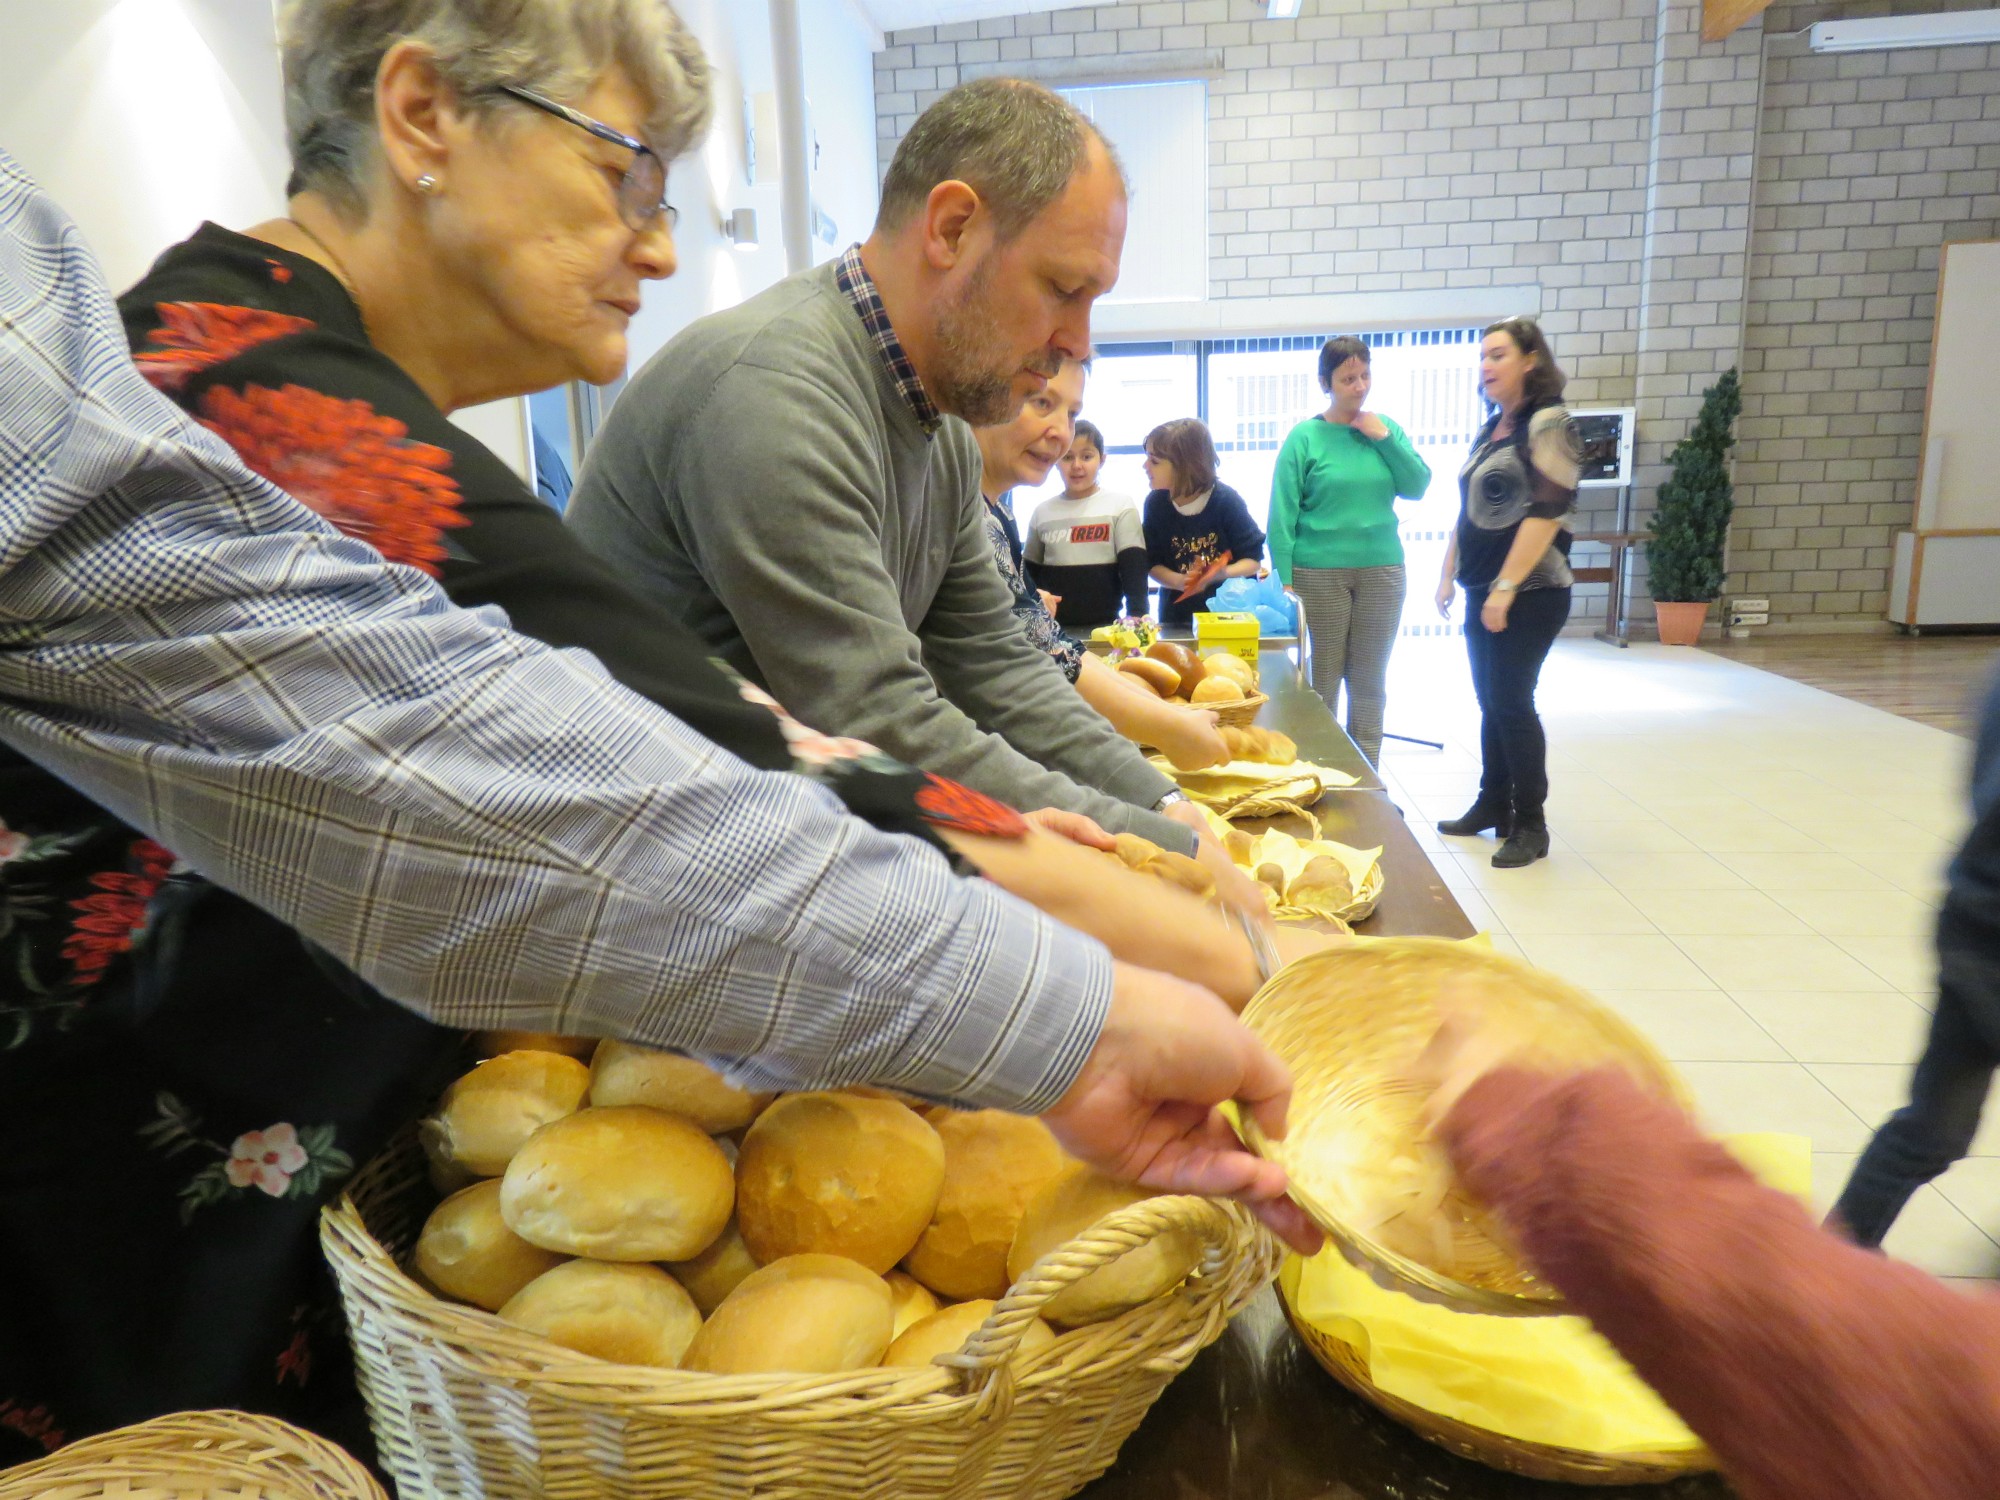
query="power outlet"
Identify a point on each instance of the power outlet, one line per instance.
(1737, 617)
(1750, 606)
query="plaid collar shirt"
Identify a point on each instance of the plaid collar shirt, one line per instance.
(860, 289)
(486, 828)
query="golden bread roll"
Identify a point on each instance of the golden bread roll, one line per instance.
(626, 1073)
(628, 1314)
(717, 1271)
(469, 1254)
(1157, 675)
(994, 1162)
(1182, 871)
(803, 1315)
(1218, 690)
(1072, 1204)
(1324, 882)
(1273, 875)
(486, 1116)
(913, 1300)
(1229, 664)
(1188, 670)
(1237, 845)
(622, 1183)
(838, 1174)
(1283, 748)
(493, 1043)
(946, 1332)
(1135, 851)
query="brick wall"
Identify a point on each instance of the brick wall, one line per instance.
(1598, 149)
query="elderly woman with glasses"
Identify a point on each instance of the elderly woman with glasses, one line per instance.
(478, 193)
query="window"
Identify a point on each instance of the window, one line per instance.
(1160, 132)
(1252, 391)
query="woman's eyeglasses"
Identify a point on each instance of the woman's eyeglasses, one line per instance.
(642, 191)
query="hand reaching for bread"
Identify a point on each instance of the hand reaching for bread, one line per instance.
(1256, 743)
(1073, 826)
(1144, 1107)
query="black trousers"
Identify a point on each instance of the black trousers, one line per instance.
(1514, 753)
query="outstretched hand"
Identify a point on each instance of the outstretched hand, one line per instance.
(1144, 1107)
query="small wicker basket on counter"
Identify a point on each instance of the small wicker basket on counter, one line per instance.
(1240, 714)
(464, 1405)
(195, 1455)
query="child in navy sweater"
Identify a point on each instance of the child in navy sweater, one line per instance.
(1190, 520)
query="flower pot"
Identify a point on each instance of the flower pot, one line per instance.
(1680, 624)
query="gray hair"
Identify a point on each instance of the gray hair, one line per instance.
(1013, 142)
(333, 50)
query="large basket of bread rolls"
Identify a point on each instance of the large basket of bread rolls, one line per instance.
(639, 1280)
(195, 1455)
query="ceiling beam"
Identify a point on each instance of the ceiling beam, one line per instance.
(1720, 17)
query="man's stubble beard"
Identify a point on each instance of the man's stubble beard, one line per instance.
(970, 346)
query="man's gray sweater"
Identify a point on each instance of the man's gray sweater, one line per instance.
(763, 475)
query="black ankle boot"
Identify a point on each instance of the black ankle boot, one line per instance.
(1524, 846)
(1482, 815)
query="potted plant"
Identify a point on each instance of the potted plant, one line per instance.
(1690, 526)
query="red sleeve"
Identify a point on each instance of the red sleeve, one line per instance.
(1812, 1368)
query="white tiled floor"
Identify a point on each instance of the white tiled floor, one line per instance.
(1745, 867)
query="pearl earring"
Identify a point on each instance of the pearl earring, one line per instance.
(426, 183)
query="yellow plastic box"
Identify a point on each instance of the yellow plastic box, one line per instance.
(1237, 634)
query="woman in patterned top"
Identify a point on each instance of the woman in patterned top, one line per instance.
(1510, 552)
(478, 193)
(1022, 452)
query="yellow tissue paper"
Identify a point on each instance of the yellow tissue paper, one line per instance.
(1552, 1381)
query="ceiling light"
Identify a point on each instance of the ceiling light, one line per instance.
(1953, 29)
(1281, 10)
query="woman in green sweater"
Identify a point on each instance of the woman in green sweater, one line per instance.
(1333, 536)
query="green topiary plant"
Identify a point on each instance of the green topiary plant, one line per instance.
(1690, 527)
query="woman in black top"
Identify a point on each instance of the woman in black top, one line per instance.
(1191, 521)
(183, 1079)
(1510, 552)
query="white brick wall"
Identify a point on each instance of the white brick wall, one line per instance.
(1599, 149)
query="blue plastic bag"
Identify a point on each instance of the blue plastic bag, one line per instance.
(1265, 598)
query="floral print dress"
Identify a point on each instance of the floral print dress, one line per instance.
(184, 1081)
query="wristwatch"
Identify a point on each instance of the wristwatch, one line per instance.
(1502, 586)
(1172, 796)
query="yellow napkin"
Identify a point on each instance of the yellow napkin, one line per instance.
(1553, 1381)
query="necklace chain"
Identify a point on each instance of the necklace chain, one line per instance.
(339, 271)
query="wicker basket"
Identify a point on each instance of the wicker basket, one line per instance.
(1351, 1021)
(1496, 1450)
(464, 1405)
(195, 1455)
(1239, 715)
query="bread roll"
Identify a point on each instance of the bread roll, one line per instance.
(1229, 664)
(626, 1183)
(1323, 883)
(626, 1073)
(1218, 690)
(1186, 873)
(1157, 675)
(913, 1300)
(838, 1174)
(630, 1315)
(469, 1254)
(486, 1116)
(1135, 851)
(994, 1162)
(1237, 844)
(946, 1332)
(1072, 1204)
(1188, 670)
(803, 1315)
(717, 1271)
(493, 1043)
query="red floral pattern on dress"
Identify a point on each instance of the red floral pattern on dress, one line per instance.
(112, 919)
(950, 805)
(193, 336)
(356, 467)
(35, 1423)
